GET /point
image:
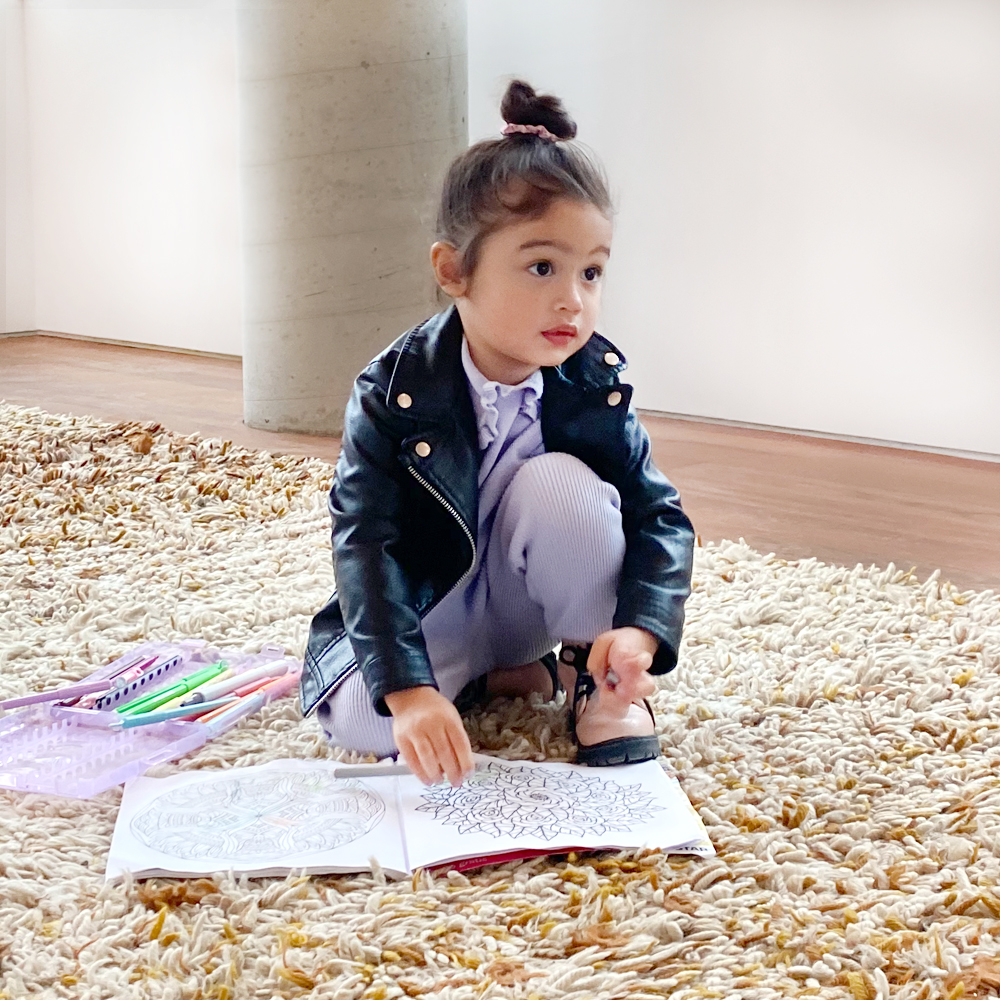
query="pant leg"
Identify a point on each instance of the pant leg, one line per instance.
(554, 559)
(351, 722)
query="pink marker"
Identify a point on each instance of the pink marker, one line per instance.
(280, 687)
(226, 716)
(140, 661)
(256, 685)
(119, 680)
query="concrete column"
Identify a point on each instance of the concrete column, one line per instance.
(351, 111)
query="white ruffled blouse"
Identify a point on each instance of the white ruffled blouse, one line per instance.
(510, 431)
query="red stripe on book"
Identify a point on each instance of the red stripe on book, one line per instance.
(465, 864)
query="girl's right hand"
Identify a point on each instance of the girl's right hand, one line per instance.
(429, 733)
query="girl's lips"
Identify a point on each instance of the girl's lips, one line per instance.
(560, 334)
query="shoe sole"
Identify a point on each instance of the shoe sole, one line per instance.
(623, 750)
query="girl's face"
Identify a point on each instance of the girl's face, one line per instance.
(536, 292)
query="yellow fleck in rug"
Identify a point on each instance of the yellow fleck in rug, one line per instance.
(836, 728)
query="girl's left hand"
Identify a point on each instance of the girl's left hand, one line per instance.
(620, 660)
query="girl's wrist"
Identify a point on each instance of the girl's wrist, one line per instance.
(400, 701)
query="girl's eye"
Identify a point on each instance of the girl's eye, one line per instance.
(544, 268)
(592, 273)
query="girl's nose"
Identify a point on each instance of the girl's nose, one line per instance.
(570, 298)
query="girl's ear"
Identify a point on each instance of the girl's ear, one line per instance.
(447, 269)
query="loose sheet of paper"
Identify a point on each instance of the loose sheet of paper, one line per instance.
(280, 816)
(520, 805)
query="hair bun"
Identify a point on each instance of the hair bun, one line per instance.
(522, 106)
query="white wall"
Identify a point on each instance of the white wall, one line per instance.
(17, 281)
(133, 151)
(809, 227)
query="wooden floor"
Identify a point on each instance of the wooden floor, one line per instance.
(795, 496)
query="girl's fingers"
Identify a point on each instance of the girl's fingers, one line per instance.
(629, 658)
(642, 687)
(620, 667)
(449, 762)
(629, 668)
(449, 750)
(430, 767)
(443, 754)
(597, 661)
(410, 759)
(463, 752)
(436, 748)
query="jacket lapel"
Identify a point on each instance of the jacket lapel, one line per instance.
(430, 379)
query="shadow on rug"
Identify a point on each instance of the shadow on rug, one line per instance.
(835, 727)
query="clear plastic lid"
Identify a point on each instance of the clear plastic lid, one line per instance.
(78, 752)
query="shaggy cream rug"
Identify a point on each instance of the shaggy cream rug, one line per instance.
(835, 727)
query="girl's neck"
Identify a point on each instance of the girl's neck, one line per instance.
(496, 367)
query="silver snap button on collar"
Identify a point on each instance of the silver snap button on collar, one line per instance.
(423, 449)
(614, 398)
(611, 358)
(404, 400)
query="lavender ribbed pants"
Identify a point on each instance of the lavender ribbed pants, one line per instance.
(548, 572)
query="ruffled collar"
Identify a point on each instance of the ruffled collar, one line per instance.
(487, 392)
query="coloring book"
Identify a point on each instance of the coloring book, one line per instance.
(293, 815)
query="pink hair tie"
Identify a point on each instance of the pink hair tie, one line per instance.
(540, 130)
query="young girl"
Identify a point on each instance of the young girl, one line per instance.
(495, 494)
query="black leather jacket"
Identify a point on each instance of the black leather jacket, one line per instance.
(405, 498)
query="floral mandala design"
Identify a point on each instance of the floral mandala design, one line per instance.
(258, 817)
(509, 801)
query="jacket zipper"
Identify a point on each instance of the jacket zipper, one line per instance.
(458, 517)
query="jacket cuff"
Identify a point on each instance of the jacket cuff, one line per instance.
(381, 681)
(666, 622)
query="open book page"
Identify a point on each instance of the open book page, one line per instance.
(266, 820)
(519, 805)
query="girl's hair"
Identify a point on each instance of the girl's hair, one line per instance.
(517, 176)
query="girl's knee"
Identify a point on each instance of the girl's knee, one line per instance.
(557, 494)
(554, 479)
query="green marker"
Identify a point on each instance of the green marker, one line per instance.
(189, 683)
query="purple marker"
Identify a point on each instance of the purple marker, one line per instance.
(60, 694)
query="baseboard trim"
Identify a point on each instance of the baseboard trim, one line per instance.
(971, 456)
(121, 343)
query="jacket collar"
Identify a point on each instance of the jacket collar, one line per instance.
(430, 359)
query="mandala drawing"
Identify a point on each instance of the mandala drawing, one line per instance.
(504, 800)
(258, 816)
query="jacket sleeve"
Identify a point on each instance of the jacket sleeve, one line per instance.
(659, 550)
(379, 610)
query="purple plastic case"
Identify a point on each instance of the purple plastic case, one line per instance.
(61, 750)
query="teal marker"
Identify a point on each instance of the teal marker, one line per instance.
(161, 697)
(148, 718)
